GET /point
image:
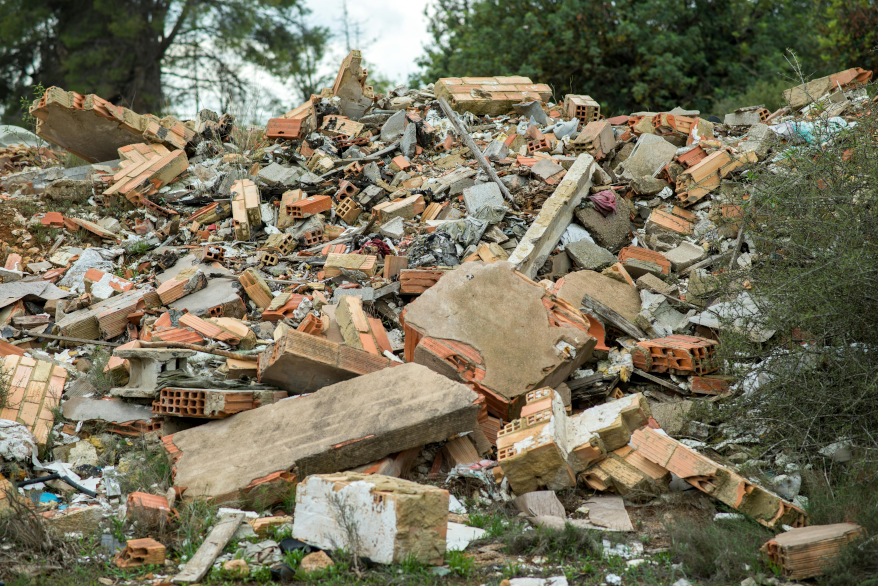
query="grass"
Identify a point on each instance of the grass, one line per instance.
(719, 552)
(495, 523)
(460, 563)
(558, 545)
(95, 375)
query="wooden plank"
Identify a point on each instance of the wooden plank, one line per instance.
(477, 153)
(196, 568)
(604, 313)
(706, 262)
(75, 340)
(660, 381)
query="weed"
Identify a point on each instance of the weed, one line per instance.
(196, 518)
(460, 563)
(289, 502)
(102, 381)
(294, 558)
(512, 570)
(848, 494)
(138, 248)
(494, 523)
(412, 565)
(21, 526)
(152, 470)
(719, 553)
(346, 515)
(557, 544)
(5, 387)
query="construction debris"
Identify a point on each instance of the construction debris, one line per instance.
(466, 283)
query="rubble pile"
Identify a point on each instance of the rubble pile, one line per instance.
(462, 281)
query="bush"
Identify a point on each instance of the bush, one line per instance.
(723, 552)
(767, 91)
(811, 225)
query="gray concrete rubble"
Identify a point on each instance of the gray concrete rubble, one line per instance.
(378, 298)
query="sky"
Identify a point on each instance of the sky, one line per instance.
(392, 32)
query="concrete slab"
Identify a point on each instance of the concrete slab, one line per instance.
(554, 217)
(339, 427)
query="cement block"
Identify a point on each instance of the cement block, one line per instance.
(685, 255)
(554, 217)
(588, 255)
(386, 518)
(481, 195)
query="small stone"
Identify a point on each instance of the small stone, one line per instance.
(496, 150)
(110, 224)
(83, 454)
(787, 485)
(316, 561)
(237, 568)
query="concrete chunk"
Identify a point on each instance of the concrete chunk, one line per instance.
(685, 255)
(590, 256)
(554, 217)
(650, 154)
(621, 298)
(339, 427)
(389, 519)
(464, 318)
(479, 196)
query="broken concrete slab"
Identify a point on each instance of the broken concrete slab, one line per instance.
(622, 298)
(301, 363)
(386, 519)
(611, 231)
(554, 217)
(463, 319)
(650, 155)
(110, 410)
(481, 195)
(340, 426)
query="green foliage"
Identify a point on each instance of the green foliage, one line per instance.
(629, 55)
(495, 523)
(767, 91)
(460, 563)
(850, 33)
(571, 542)
(141, 54)
(100, 380)
(812, 217)
(29, 119)
(719, 552)
(412, 565)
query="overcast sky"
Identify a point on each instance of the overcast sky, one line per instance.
(392, 32)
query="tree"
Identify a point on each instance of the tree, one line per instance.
(628, 54)
(128, 50)
(850, 33)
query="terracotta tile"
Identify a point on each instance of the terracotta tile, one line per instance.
(16, 396)
(42, 371)
(22, 375)
(35, 392)
(28, 361)
(10, 414)
(29, 413)
(56, 387)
